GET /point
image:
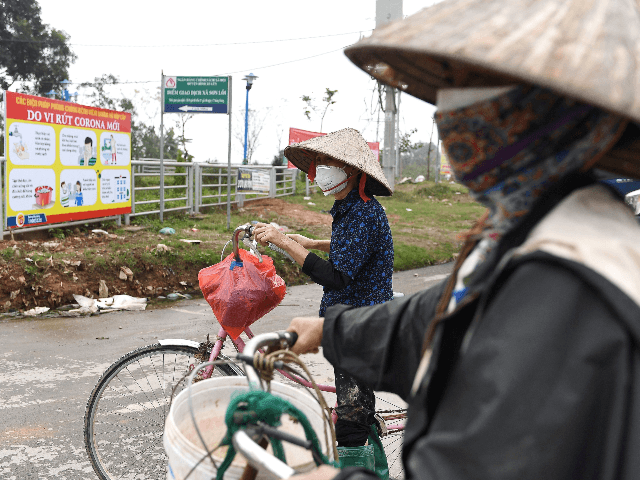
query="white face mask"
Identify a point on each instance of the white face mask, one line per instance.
(331, 180)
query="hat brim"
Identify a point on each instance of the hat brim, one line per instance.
(347, 146)
(492, 43)
(403, 71)
(302, 158)
(473, 43)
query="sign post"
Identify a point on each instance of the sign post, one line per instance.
(194, 95)
(229, 165)
(162, 153)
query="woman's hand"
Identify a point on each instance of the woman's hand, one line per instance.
(309, 330)
(266, 234)
(323, 472)
(306, 242)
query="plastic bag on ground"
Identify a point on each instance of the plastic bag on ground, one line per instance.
(240, 294)
(117, 302)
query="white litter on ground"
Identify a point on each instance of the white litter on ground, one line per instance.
(36, 311)
(117, 302)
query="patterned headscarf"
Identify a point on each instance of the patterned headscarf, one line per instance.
(510, 149)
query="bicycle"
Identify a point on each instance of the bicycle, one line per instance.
(127, 409)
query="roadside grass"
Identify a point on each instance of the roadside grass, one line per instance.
(426, 219)
(426, 222)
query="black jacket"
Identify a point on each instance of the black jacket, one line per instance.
(535, 376)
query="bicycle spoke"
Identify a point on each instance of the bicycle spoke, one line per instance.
(125, 407)
(166, 401)
(138, 385)
(126, 412)
(148, 382)
(393, 449)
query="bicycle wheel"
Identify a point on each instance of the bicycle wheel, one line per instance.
(125, 416)
(392, 444)
(392, 410)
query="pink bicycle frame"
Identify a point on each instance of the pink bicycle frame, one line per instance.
(239, 343)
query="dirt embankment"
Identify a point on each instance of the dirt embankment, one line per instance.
(47, 272)
(37, 269)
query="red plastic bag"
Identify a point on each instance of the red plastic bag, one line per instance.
(240, 294)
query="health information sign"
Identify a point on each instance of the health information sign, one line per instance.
(65, 161)
(195, 94)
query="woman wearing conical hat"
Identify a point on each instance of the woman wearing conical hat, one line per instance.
(360, 265)
(525, 363)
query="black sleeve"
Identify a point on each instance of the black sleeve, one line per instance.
(324, 273)
(381, 344)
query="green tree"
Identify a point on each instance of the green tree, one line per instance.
(148, 143)
(97, 95)
(279, 160)
(33, 56)
(32, 53)
(406, 145)
(145, 141)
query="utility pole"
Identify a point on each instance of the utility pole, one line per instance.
(429, 151)
(398, 172)
(386, 12)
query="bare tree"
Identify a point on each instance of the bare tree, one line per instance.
(181, 124)
(257, 120)
(311, 108)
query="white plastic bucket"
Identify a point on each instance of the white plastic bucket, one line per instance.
(210, 400)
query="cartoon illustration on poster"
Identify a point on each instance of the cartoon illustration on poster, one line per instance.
(53, 172)
(115, 186)
(31, 189)
(115, 148)
(64, 193)
(18, 146)
(78, 188)
(31, 144)
(78, 147)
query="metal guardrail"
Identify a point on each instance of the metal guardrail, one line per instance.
(211, 184)
(189, 187)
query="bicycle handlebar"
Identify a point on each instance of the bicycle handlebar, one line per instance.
(246, 228)
(259, 341)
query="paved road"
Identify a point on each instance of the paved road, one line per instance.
(48, 368)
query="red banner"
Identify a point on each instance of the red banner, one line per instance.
(296, 136)
(375, 148)
(44, 110)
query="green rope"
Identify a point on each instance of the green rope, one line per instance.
(267, 408)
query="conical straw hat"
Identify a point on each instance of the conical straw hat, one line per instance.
(585, 49)
(349, 147)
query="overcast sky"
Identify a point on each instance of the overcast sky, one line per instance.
(136, 40)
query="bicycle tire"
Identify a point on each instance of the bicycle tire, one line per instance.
(124, 419)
